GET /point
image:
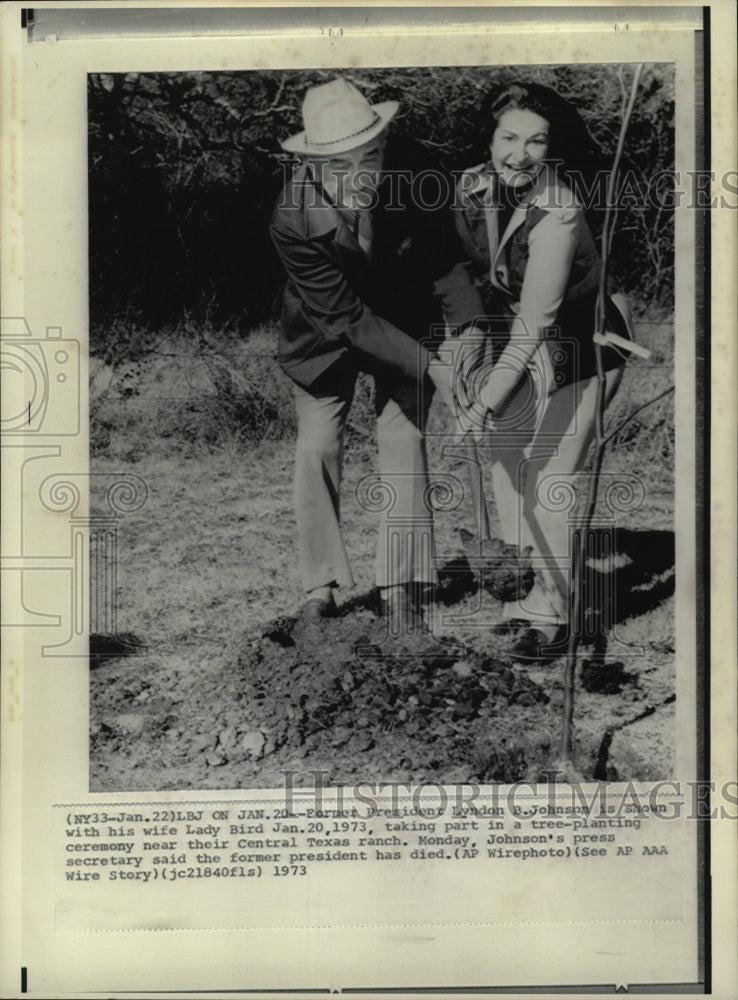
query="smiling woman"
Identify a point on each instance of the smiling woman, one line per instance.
(528, 296)
(519, 146)
(523, 124)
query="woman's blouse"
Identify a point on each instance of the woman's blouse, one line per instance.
(538, 279)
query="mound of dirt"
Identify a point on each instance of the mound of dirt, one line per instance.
(606, 678)
(340, 688)
(503, 571)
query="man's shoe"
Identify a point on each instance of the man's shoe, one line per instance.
(402, 615)
(532, 646)
(316, 608)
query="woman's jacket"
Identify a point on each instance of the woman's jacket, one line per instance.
(538, 279)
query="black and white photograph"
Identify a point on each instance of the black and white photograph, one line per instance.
(367, 561)
(346, 330)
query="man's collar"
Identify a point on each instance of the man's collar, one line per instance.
(321, 215)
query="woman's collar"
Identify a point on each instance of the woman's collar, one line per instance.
(547, 190)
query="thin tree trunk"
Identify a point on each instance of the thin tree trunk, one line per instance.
(576, 602)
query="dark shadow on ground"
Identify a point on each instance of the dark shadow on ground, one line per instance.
(629, 572)
(105, 647)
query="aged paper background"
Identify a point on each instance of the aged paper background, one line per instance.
(350, 933)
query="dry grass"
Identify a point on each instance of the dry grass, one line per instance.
(208, 419)
(194, 384)
(192, 391)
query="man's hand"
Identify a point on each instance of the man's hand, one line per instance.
(442, 376)
(473, 419)
(462, 355)
(462, 358)
(469, 415)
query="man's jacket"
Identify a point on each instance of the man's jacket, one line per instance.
(339, 300)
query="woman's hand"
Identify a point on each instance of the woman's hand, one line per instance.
(486, 398)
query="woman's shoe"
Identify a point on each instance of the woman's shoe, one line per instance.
(533, 646)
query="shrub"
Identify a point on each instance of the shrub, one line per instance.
(185, 169)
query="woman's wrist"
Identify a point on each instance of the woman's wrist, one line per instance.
(496, 388)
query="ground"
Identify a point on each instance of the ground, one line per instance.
(217, 687)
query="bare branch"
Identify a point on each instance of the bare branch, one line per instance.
(643, 406)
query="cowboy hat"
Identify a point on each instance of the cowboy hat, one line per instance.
(337, 119)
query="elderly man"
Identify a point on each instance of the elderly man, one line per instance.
(361, 259)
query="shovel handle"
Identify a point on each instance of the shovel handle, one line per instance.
(476, 482)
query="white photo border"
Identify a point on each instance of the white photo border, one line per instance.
(45, 743)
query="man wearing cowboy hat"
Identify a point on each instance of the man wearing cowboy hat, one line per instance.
(359, 297)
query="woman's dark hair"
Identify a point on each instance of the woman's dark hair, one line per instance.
(571, 149)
